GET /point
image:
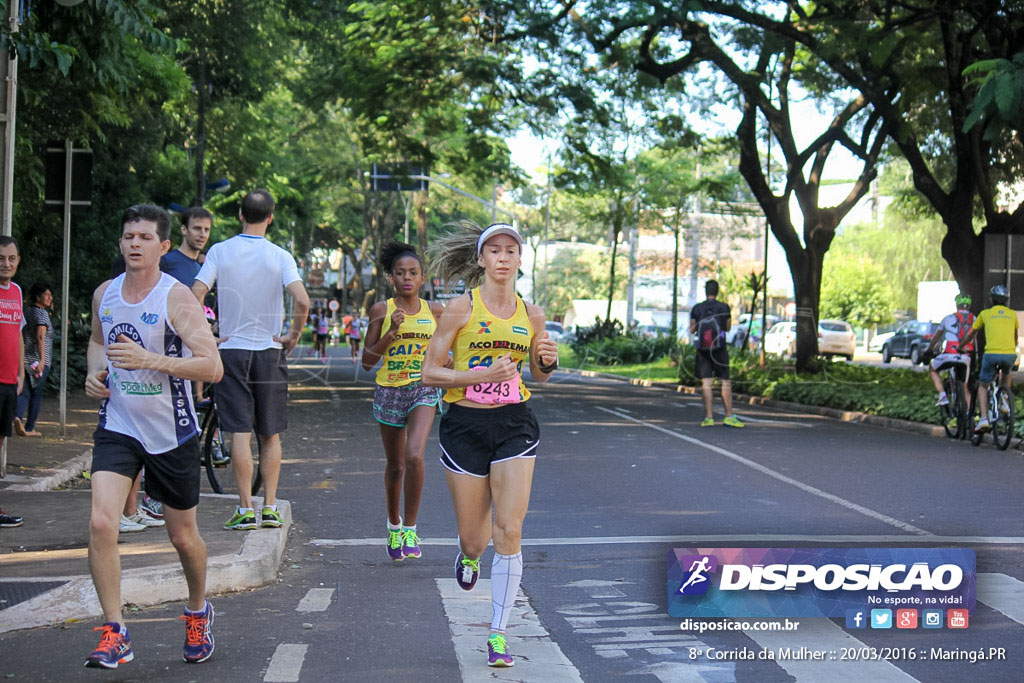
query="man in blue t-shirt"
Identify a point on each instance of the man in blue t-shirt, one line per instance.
(183, 263)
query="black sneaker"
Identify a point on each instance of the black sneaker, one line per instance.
(9, 520)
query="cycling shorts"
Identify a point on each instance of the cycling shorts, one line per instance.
(989, 362)
(961, 362)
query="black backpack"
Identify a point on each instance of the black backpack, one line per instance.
(709, 334)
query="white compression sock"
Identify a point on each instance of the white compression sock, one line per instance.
(506, 573)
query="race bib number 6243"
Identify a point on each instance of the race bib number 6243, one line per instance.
(492, 393)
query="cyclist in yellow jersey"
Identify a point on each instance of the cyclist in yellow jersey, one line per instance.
(1001, 331)
(400, 329)
(489, 435)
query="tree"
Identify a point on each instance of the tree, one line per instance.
(857, 290)
(578, 274)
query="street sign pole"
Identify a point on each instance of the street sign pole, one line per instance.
(66, 269)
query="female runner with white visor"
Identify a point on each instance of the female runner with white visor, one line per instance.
(489, 435)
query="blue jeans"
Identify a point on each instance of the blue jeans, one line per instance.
(31, 397)
(989, 362)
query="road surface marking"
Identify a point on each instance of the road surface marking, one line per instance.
(702, 539)
(316, 600)
(746, 416)
(823, 635)
(537, 656)
(867, 512)
(1002, 593)
(286, 664)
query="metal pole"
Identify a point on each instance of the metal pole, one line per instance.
(10, 65)
(64, 292)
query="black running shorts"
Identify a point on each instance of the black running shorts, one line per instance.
(8, 402)
(713, 363)
(171, 477)
(472, 439)
(253, 392)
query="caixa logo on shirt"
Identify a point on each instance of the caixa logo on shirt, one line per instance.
(128, 330)
(149, 318)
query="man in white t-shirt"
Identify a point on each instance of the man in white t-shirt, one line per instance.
(252, 274)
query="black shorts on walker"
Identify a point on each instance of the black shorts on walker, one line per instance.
(472, 439)
(713, 363)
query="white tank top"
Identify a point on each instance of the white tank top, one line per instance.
(150, 406)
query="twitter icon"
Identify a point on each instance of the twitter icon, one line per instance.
(881, 618)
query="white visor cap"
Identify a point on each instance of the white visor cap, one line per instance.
(498, 229)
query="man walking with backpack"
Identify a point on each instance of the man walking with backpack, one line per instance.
(709, 321)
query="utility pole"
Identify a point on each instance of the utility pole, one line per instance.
(695, 237)
(9, 76)
(547, 226)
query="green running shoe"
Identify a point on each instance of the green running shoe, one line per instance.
(241, 520)
(732, 421)
(410, 543)
(708, 422)
(270, 518)
(467, 571)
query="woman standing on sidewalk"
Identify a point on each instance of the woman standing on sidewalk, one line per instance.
(400, 329)
(38, 335)
(488, 436)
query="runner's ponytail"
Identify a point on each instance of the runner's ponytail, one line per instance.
(453, 256)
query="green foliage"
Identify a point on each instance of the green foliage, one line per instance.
(855, 289)
(624, 349)
(579, 274)
(1000, 97)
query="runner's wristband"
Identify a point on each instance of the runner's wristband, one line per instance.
(549, 368)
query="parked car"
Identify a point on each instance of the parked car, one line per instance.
(737, 334)
(909, 341)
(556, 332)
(835, 338)
(781, 339)
(876, 343)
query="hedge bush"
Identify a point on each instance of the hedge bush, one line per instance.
(890, 392)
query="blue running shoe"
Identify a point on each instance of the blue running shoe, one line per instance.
(198, 637)
(497, 651)
(115, 647)
(467, 571)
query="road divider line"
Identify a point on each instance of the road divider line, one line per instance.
(822, 635)
(703, 539)
(807, 488)
(316, 600)
(1003, 593)
(286, 664)
(537, 656)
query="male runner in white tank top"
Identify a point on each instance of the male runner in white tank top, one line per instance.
(149, 339)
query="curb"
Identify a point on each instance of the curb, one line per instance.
(255, 565)
(833, 413)
(63, 474)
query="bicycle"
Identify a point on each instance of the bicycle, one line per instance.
(1000, 410)
(212, 442)
(954, 414)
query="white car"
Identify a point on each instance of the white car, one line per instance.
(835, 338)
(781, 339)
(878, 341)
(555, 331)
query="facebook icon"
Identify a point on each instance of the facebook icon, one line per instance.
(855, 618)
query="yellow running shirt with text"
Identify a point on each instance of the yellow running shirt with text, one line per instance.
(402, 362)
(1000, 325)
(486, 336)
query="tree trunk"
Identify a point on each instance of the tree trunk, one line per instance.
(420, 204)
(675, 270)
(616, 231)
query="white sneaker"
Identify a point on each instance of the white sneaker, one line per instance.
(982, 426)
(142, 518)
(127, 525)
(943, 400)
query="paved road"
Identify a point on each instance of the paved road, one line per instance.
(624, 475)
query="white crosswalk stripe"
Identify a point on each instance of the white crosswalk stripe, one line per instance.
(316, 600)
(286, 664)
(1002, 593)
(537, 656)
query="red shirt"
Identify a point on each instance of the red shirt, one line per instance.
(11, 322)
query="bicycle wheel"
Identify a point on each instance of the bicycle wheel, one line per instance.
(962, 417)
(210, 437)
(972, 420)
(1002, 428)
(948, 413)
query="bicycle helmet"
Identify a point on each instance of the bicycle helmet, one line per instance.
(999, 295)
(963, 300)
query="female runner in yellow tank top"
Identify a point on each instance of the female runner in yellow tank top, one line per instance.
(488, 436)
(400, 329)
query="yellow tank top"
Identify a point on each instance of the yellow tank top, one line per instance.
(486, 336)
(402, 361)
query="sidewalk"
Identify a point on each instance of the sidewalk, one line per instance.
(44, 574)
